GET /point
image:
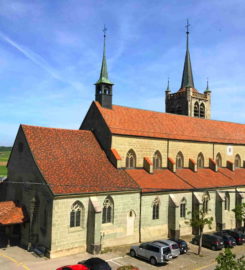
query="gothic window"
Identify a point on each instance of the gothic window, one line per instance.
(131, 159)
(179, 161)
(157, 160)
(227, 201)
(183, 208)
(202, 110)
(76, 215)
(205, 200)
(237, 161)
(196, 109)
(107, 215)
(200, 161)
(219, 160)
(155, 208)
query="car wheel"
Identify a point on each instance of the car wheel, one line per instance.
(153, 261)
(132, 253)
(213, 248)
(195, 242)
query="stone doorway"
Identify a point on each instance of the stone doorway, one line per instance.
(130, 222)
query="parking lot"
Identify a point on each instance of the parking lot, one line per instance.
(15, 258)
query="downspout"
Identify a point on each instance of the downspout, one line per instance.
(140, 217)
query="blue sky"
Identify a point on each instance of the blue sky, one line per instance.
(51, 51)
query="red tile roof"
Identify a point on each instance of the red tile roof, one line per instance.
(72, 161)
(137, 122)
(10, 213)
(159, 180)
(185, 89)
(185, 179)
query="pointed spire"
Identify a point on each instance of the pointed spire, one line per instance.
(168, 88)
(103, 72)
(187, 77)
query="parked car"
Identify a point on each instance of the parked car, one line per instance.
(229, 241)
(95, 264)
(73, 267)
(214, 242)
(154, 253)
(239, 236)
(183, 247)
(175, 251)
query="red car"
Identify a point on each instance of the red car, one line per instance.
(73, 267)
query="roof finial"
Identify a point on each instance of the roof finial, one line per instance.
(168, 89)
(187, 33)
(207, 88)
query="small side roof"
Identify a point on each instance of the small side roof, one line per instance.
(11, 213)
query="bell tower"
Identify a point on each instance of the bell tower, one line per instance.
(103, 87)
(188, 100)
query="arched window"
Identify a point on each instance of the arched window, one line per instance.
(183, 208)
(237, 161)
(155, 208)
(76, 214)
(219, 160)
(157, 160)
(227, 201)
(196, 109)
(179, 161)
(205, 200)
(202, 110)
(108, 207)
(200, 161)
(131, 159)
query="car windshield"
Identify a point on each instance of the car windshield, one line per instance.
(174, 246)
(166, 251)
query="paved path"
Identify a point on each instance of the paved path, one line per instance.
(15, 258)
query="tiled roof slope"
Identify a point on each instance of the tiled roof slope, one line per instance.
(185, 179)
(137, 122)
(10, 213)
(72, 161)
(159, 180)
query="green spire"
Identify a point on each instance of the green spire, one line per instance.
(103, 73)
(187, 77)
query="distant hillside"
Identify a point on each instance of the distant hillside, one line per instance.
(5, 148)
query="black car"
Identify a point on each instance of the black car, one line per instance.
(96, 264)
(181, 244)
(214, 242)
(239, 236)
(229, 241)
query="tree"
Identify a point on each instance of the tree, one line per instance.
(227, 261)
(240, 213)
(199, 220)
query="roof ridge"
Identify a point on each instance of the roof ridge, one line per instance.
(60, 129)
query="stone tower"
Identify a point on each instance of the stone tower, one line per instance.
(188, 100)
(103, 87)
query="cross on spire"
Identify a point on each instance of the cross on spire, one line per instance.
(187, 27)
(104, 30)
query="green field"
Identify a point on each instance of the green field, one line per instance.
(4, 156)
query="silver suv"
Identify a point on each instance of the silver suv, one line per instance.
(153, 252)
(175, 251)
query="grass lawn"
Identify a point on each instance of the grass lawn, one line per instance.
(4, 156)
(3, 171)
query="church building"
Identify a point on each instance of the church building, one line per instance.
(127, 175)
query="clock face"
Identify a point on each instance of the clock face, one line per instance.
(229, 150)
